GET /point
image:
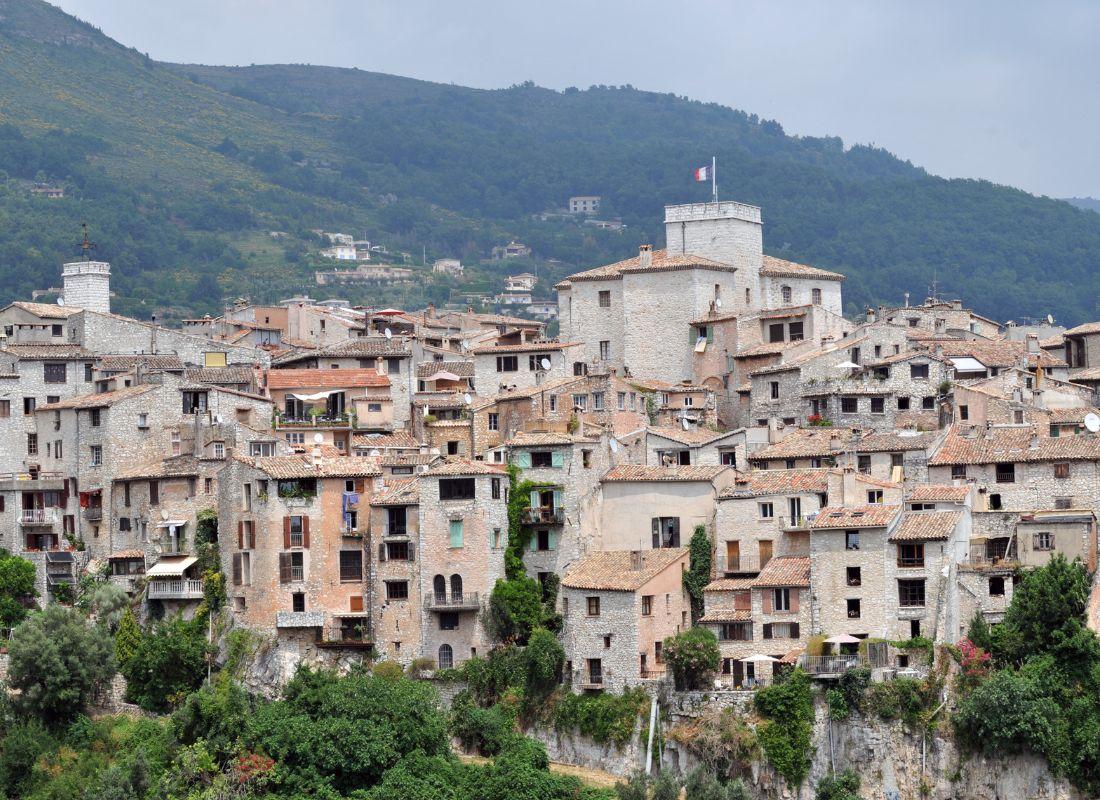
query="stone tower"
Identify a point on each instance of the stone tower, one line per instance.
(726, 231)
(87, 284)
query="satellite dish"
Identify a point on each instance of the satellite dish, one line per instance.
(465, 344)
(718, 302)
(467, 399)
(614, 445)
(318, 438)
(61, 301)
(389, 333)
(1092, 423)
(684, 422)
(1050, 319)
(375, 453)
(426, 412)
(545, 363)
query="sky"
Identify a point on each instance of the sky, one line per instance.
(994, 89)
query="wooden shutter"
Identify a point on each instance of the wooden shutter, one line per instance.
(286, 533)
(794, 630)
(355, 602)
(558, 499)
(534, 499)
(412, 552)
(656, 532)
(742, 601)
(381, 552)
(305, 531)
(557, 458)
(674, 536)
(795, 591)
(240, 535)
(767, 630)
(284, 567)
(552, 537)
(237, 569)
(533, 542)
(522, 459)
(768, 598)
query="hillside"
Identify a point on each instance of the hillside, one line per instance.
(181, 170)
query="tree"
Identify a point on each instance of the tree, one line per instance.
(515, 609)
(17, 579)
(545, 658)
(693, 656)
(57, 661)
(127, 639)
(169, 662)
(979, 632)
(665, 786)
(698, 574)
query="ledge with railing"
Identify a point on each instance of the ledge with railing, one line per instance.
(799, 523)
(832, 665)
(93, 513)
(38, 516)
(185, 589)
(354, 636)
(544, 516)
(455, 601)
(315, 421)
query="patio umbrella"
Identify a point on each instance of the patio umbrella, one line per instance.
(846, 365)
(842, 638)
(758, 658)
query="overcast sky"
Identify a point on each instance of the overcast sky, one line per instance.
(999, 89)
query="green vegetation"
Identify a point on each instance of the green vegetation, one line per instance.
(603, 717)
(698, 574)
(16, 585)
(168, 663)
(841, 786)
(1040, 690)
(182, 171)
(693, 657)
(787, 707)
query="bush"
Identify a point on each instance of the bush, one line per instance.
(665, 786)
(693, 657)
(483, 730)
(545, 659)
(217, 714)
(56, 661)
(169, 662)
(20, 748)
(785, 737)
(420, 668)
(842, 786)
(1009, 713)
(127, 638)
(636, 788)
(17, 582)
(388, 670)
(907, 699)
(603, 717)
(698, 574)
(838, 705)
(853, 686)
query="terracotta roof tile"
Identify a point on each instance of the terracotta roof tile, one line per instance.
(127, 554)
(938, 493)
(1082, 330)
(61, 352)
(124, 363)
(719, 615)
(660, 261)
(399, 439)
(873, 515)
(324, 378)
(729, 585)
(778, 268)
(641, 473)
(100, 400)
(362, 347)
(47, 310)
(219, 375)
(691, 436)
(778, 481)
(785, 571)
(177, 467)
(924, 526)
(1003, 445)
(463, 466)
(1067, 415)
(614, 570)
(525, 347)
(818, 442)
(463, 369)
(301, 466)
(399, 493)
(549, 439)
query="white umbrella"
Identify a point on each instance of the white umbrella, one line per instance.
(843, 638)
(846, 365)
(444, 375)
(758, 658)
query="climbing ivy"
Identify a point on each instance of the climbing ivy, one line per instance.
(697, 575)
(785, 735)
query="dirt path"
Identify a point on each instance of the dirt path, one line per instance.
(593, 777)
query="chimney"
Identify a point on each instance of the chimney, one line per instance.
(907, 299)
(1033, 343)
(645, 256)
(378, 365)
(870, 315)
(1033, 444)
(635, 560)
(316, 456)
(431, 311)
(939, 350)
(848, 487)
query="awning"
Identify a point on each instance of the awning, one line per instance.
(171, 566)
(172, 523)
(444, 375)
(316, 395)
(968, 364)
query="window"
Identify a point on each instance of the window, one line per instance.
(958, 470)
(1006, 473)
(994, 502)
(298, 602)
(781, 599)
(1043, 541)
(54, 373)
(1062, 503)
(928, 403)
(878, 405)
(261, 449)
(854, 355)
(735, 631)
(143, 421)
(913, 321)
(194, 402)
(579, 369)
(97, 455)
(448, 621)
(32, 444)
(126, 494)
(874, 496)
(507, 363)
(787, 294)
(666, 532)
(853, 608)
(455, 539)
(605, 350)
(597, 401)
(622, 401)
(297, 531)
(219, 450)
(789, 463)
(494, 485)
(88, 372)
(452, 448)
(863, 464)
(593, 606)
(728, 458)
(295, 438)
(542, 458)
(605, 298)
(28, 405)
(964, 412)
(580, 402)
(911, 593)
(553, 402)
(446, 658)
(351, 566)
(795, 329)
(494, 421)
(774, 389)
(647, 605)
(393, 366)
(397, 551)
(851, 540)
(911, 554)
(854, 576)
(918, 371)
(767, 511)
(1061, 470)
(775, 332)
(815, 295)
(5, 408)
(1018, 417)
(903, 403)
(57, 449)
(849, 405)
(586, 458)
(397, 590)
(997, 586)
(374, 408)
(456, 489)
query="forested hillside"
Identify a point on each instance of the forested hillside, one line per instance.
(182, 171)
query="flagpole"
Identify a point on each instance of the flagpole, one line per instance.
(714, 177)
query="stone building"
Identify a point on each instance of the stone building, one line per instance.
(618, 607)
(675, 445)
(395, 571)
(329, 402)
(463, 533)
(508, 367)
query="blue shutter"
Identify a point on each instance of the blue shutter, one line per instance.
(533, 544)
(522, 459)
(553, 544)
(557, 458)
(557, 498)
(456, 533)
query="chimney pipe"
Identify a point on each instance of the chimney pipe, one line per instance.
(645, 256)
(1033, 343)
(870, 314)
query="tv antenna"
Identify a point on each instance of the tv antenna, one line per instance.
(86, 244)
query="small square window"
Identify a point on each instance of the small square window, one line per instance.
(851, 540)
(854, 576)
(593, 606)
(853, 608)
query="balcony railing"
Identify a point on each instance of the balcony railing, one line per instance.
(831, 665)
(909, 562)
(544, 516)
(652, 673)
(439, 601)
(799, 523)
(186, 589)
(93, 513)
(38, 516)
(591, 679)
(347, 636)
(321, 421)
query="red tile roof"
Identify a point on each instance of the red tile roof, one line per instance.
(726, 615)
(938, 493)
(301, 466)
(324, 378)
(873, 515)
(100, 400)
(729, 585)
(778, 268)
(660, 261)
(615, 570)
(525, 347)
(1003, 445)
(779, 481)
(639, 473)
(463, 466)
(924, 526)
(819, 442)
(785, 571)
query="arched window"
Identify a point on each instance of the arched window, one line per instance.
(439, 584)
(786, 290)
(446, 658)
(456, 587)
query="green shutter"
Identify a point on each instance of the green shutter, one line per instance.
(710, 333)
(553, 539)
(534, 498)
(522, 459)
(533, 544)
(557, 458)
(557, 498)
(456, 533)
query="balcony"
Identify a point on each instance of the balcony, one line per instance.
(831, 666)
(38, 516)
(357, 636)
(463, 601)
(93, 513)
(544, 516)
(590, 680)
(791, 524)
(327, 421)
(32, 482)
(652, 673)
(186, 589)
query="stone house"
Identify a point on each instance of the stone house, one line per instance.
(669, 404)
(445, 376)
(618, 607)
(675, 445)
(658, 507)
(943, 317)
(524, 365)
(329, 402)
(292, 530)
(463, 533)
(393, 558)
(766, 614)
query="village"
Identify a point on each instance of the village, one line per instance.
(883, 478)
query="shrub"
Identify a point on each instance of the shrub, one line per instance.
(785, 736)
(698, 574)
(838, 704)
(636, 788)
(665, 786)
(20, 748)
(127, 638)
(483, 730)
(388, 670)
(603, 717)
(693, 657)
(907, 699)
(420, 668)
(545, 658)
(17, 582)
(853, 686)
(169, 662)
(842, 786)
(56, 661)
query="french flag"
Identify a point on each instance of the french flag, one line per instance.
(702, 174)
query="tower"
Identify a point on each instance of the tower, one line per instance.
(87, 284)
(729, 232)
